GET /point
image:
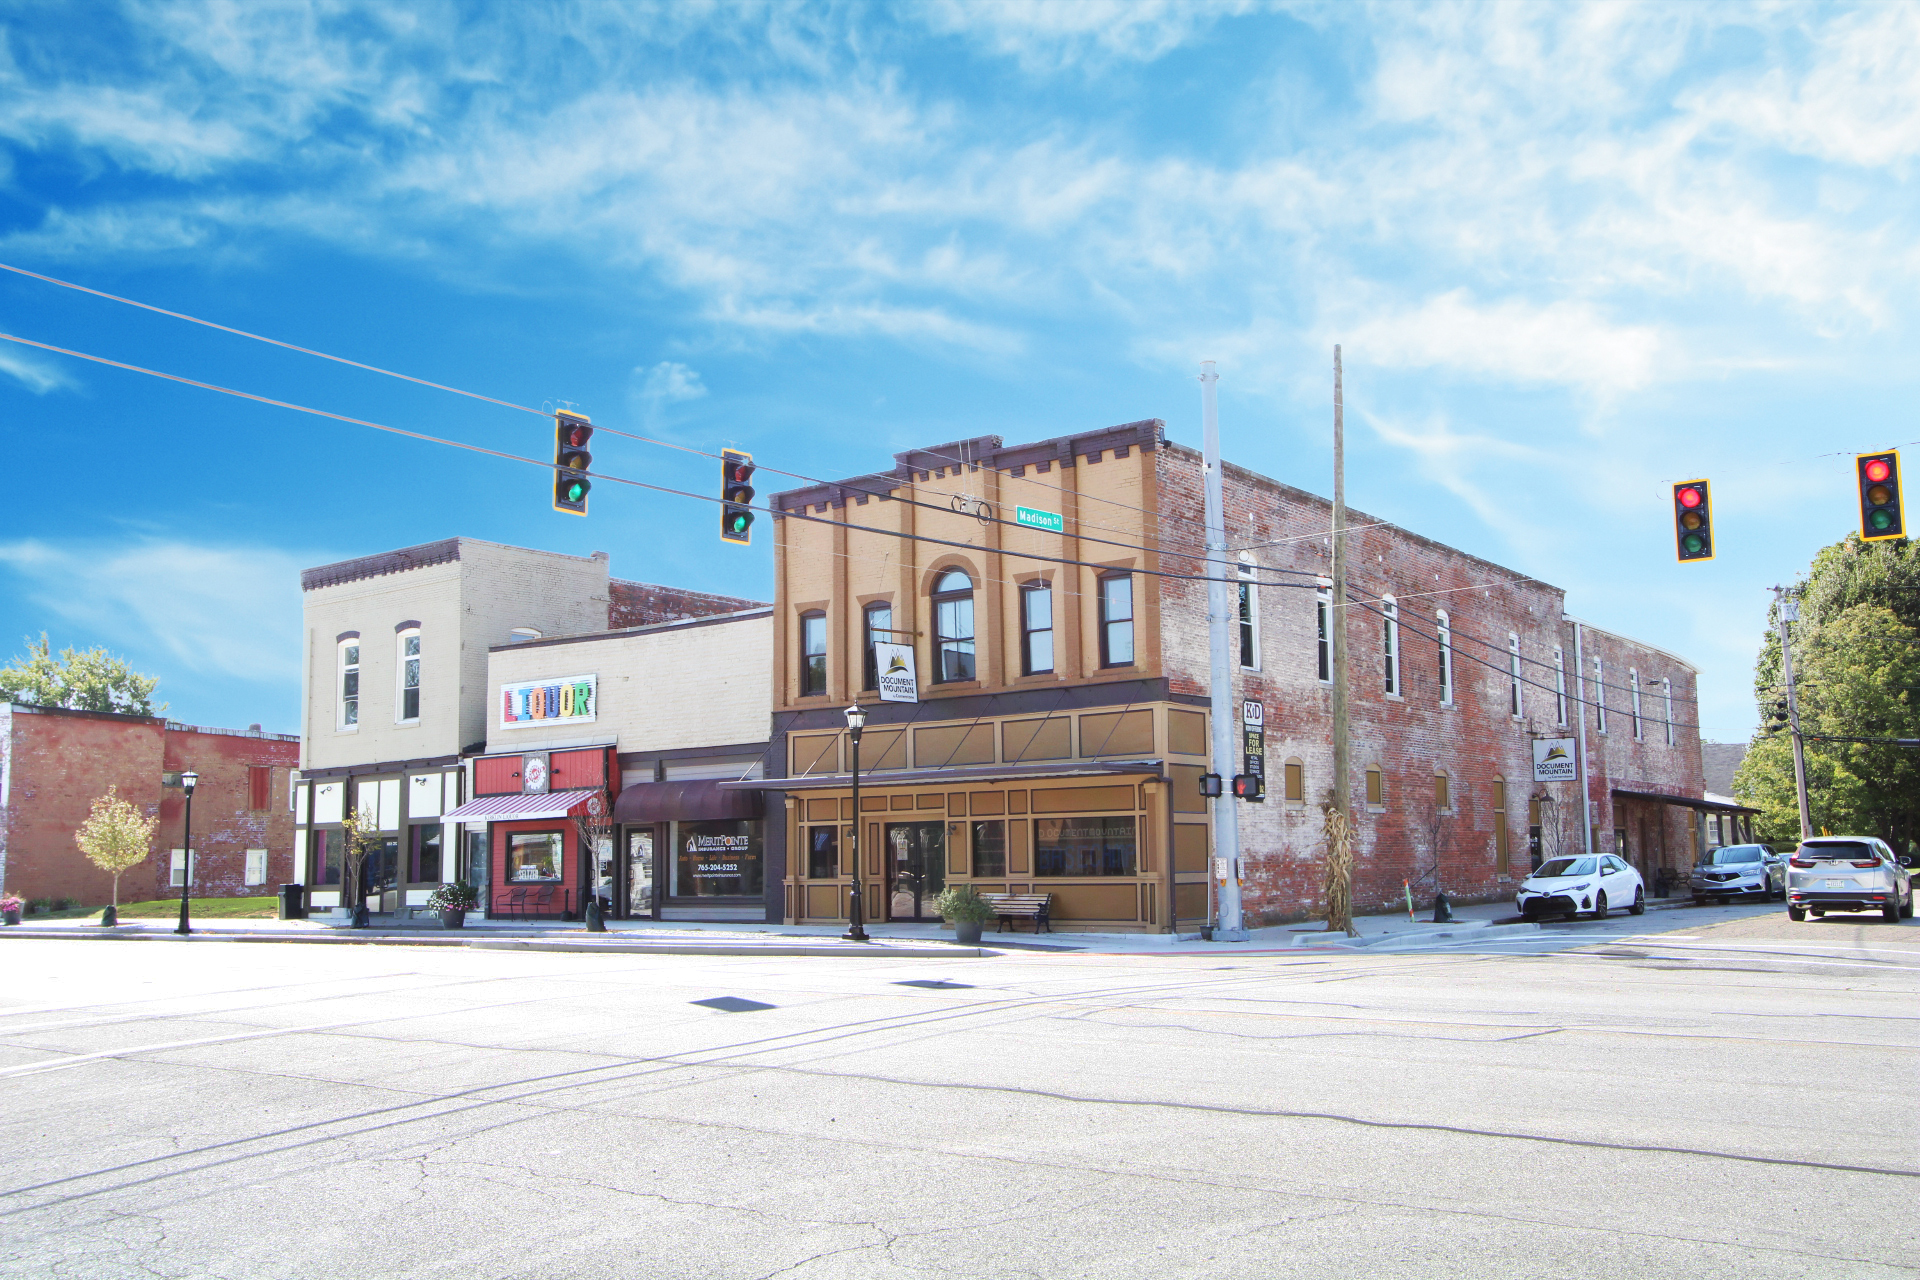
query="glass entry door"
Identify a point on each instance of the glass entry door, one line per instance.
(916, 868)
(640, 873)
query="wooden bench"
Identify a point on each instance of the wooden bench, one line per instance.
(1022, 906)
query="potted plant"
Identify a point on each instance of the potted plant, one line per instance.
(962, 907)
(10, 908)
(453, 901)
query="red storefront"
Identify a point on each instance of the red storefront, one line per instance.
(535, 809)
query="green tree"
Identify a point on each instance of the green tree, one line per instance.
(90, 681)
(1856, 655)
(115, 837)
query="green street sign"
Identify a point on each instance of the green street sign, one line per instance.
(1051, 521)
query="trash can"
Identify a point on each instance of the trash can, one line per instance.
(293, 902)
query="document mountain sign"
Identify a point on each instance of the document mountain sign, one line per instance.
(898, 682)
(1553, 760)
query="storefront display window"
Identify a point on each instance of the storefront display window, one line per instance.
(533, 856)
(425, 856)
(1083, 846)
(717, 859)
(989, 848)
(823, 852)
(326, 857)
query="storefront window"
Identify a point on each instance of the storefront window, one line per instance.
(717, 859)
(989, 848)
(533, 855)
(1083, 847)
(477, 862)
(823, 852)
(424, 859)
(326, 857)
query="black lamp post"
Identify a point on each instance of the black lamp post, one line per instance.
(856, 906)
(188, 781)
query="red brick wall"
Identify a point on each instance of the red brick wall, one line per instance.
(641, 604)
(225, 825)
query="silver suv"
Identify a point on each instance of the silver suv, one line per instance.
(1739, 868)
(1847, 873)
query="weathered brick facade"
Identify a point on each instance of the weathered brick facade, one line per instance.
(54, 763)
(645, 604)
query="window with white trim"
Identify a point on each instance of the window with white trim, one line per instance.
(256, 866)
(1249, 619)
(350, 683)
(408, 711)
(1390, 644)
(1633, 687)
(1444, 629)
(1323, 610)
(1559, 685)
(1600, 693)
(1514, 703)
(1666, 687)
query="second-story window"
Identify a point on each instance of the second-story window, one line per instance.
(1036, 628)
(1390, 644)
(1633, 688)
(1249, 616)
(1666, 687)
(1513, 674)
(349, 683)
(409, 645)
(813, 654)
(1600, 694)
(1444, 630)
(1323, 615)
(1116, 620)
(953, 627)
(879, 630)
(1559, 685)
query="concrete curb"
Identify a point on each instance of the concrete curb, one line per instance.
(363, 938)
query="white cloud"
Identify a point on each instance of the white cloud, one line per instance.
(32, 372)
(226, 611)
(669, 381)
(1047, 34)
(1514, 341)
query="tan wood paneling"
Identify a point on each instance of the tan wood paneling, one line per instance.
(1191, 901)
(956, 804)
(1117, 733)
(815, 753)
(989, 804)
(1016, 802)
(823, 901)
(823, 810)
(1148, 911)
(1189, 846)
(1083, 799)
(883, 749)
(903, 804)
(1187, 733)
(929, 802)
(1043, 739)
(1018, 849)
(937, 746)
(1186, 788)
(1094, 901)
(846, 806)
(958, 851)
(873, 804)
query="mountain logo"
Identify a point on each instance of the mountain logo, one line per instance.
(1554, 753)
(897, 665)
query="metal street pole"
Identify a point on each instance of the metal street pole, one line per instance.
(1788, 610)
(1229, 927)
(1340, 905)
(188, 781)
(856, 906)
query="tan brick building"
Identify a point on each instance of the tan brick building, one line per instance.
(1058, 631)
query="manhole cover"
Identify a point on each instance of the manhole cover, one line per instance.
(732, 1004)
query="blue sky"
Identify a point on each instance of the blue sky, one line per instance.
(1574, 253)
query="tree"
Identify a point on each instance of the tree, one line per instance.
(1559, 826)
(90, 681)
(359, 836)
(1856, 657)
(116, 837)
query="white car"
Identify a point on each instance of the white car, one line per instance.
(1848, 873)
(1568, 886)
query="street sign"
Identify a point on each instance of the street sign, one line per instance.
(898, 681)
(1553, 760)
(1051, 521)
(1253, 719)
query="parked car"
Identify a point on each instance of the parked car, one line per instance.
(1739, 868)
(1847, 873)
(1568, 886)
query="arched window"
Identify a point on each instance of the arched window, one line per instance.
(1502, 848)
(879, 630)
(1116, 620)
(953, 627)
(1294, 781)
(1442, 792)
(520, 635)
(1390, 645)
(350, 682)
(1376, 788)
(1323, 614)
(1443, 626)
(813, 653)
(1036, 627)
(408, 643)
(1249, 633)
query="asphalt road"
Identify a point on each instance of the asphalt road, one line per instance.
(1730, 1099)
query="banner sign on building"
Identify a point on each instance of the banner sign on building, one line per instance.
(1553, 760)
(898, 681)
(1051, 521)
(571, 700)
(1253, 724)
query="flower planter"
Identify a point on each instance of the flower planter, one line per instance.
(453, 919)
(967, 931)
(11, 917)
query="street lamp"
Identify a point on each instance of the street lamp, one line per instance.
(856, 932)
(188, 781)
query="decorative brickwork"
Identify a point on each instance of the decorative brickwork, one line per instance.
(642, 604)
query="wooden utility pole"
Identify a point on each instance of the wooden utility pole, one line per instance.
(1339, 813)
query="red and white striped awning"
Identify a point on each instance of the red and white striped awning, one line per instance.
(545, 804)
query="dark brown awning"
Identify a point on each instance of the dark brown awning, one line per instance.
(691, 801)
(1710, 806)
(952, 775)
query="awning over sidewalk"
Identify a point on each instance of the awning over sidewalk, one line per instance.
(694, 800)
(1708, 806)
(549, 804)
(950, 776)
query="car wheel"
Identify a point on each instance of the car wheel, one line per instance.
(1906, 912)
(1600, 906)
(1891, 912)
(1796, 913)
(1639, 907)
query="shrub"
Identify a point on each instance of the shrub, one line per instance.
(458, 896)
(65, 904)
(11, 902)
(962, 904)
(39, 906)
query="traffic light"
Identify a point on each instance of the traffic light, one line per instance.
(736, 491)
(1693, 520)
(1247, 787)
(1778, 722)
(1880, 516)
(1209, 785)
(570, 463)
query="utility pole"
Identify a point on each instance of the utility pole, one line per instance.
(1787, 607)
(1340, 815)
(1221, 615)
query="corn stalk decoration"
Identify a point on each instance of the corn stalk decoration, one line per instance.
(1339, 872)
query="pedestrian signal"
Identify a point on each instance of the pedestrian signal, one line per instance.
(736, 492)
(1880, 516)
(571, 462)
(1693, 520)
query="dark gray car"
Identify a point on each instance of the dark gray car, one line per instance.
(1739, 869)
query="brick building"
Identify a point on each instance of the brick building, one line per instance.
(1045, 593)
(54, 763)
